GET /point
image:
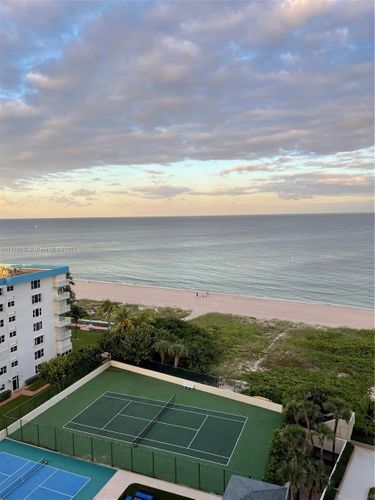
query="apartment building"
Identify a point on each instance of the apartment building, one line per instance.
(33, 322)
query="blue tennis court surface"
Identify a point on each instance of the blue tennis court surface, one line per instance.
(21, 478)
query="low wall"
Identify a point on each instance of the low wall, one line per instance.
(56, 399)
(332, 472)
(242, 398)
(344, 429)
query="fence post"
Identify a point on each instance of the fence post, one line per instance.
(223, 480)
(199, 475)
(111, 448)
(92, 449)
(37, 434)
(73, 446)
(55, 433)
(175, 469)
(153, 463)
(131, 458)
(21, 429)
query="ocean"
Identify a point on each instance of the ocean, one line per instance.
(314, 258)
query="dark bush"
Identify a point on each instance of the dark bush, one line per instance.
(5, 395)
(31, 380)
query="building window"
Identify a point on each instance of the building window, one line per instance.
(3, 370)
(1, 291)
(10, 288)
(39, 354)
(11, 303)
(37, 312)
(12, 333)
(2, 387)
(13, 348)
(1, 307)
(38, 340)
(35, 284)
(2, 339)
(37, 369)
(12, 319)
(36, 298)
(1, 323)
(14, 363)
(37, 326)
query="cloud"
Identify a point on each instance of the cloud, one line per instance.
(276, 87)
(68, 201)
(82, 192)
(159, 192)
(43, 82)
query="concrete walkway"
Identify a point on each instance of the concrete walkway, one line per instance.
(359, 476)
(122, 479)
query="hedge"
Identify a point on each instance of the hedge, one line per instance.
(31, 380)
(5, 395)
(337, 476)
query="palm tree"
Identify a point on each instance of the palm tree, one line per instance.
(315, 478)
(339, 410)
(292, 412)
(69, 288)
(108, 309)
(162, 346)
(296, 438)
(310, 412)
(123, 320)
(322, 433)
(144, 318)
(76, 312)
(177, 350)
(294, 474)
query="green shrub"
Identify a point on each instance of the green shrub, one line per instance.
(31, 380)
(371, 494)
(5, 395)
(339, 472)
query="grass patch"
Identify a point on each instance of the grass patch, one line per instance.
(82, 338)
(4, 409)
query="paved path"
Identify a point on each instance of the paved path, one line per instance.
(198, 304)
(359, 476)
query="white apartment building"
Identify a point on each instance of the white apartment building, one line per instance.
(33, 329)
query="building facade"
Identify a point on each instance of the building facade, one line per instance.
(33, 323)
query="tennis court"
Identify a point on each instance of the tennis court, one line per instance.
(204, 434)
(21, 478)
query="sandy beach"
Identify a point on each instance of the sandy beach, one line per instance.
(319, 314)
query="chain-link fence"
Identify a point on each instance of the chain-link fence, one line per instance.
(142, 460)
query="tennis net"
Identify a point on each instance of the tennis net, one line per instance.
(153, 421)
(21, 479)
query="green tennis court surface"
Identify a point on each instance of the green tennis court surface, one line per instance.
(208, 435)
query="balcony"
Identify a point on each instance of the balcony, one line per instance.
(62, 321)
(63, 335)
(61, 307)
(60, 282)
(61, 296)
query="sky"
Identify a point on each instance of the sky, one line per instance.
(147, 108)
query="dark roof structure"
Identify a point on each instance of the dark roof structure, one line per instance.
(242, 488)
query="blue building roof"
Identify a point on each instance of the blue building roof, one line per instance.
(30, 272)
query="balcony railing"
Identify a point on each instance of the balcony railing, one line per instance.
(61, 296)
(62, 321)
(60, 282)
(61, 307)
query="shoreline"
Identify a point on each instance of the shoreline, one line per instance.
(153, 296)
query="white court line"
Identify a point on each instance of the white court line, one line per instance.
(158, 422)
(196, 434)
(186, 455)
(40, 484)
(55, 491)
(145, 439)
(81, 488)
(236, 443)
(118, 413)
(183, 407)
(186, 410)
(88, 406)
